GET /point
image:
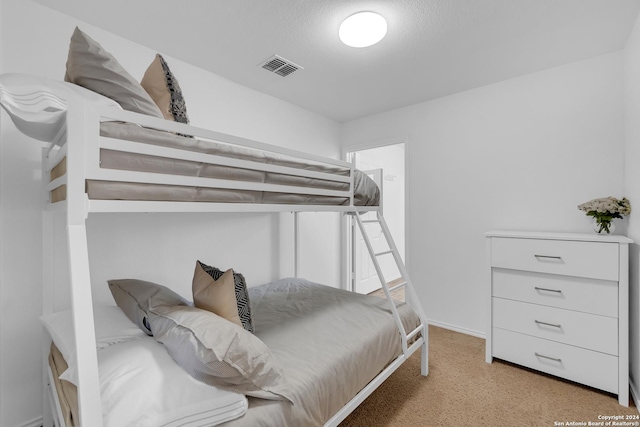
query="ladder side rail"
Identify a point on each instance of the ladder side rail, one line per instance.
(82, 140)
(403, 269)
(383, 282)
(352, 266)
(296, 244)
(352, 183)
(413, 297)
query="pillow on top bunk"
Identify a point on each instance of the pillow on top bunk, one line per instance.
(92, 67)
(133, 297)
(162, 86)
(45, 116)
(218, 352)
(205, 299)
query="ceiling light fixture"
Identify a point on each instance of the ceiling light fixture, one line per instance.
(363, 29)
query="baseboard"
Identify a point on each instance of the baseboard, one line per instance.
(458, 329)
(36, 422)
(634, 393)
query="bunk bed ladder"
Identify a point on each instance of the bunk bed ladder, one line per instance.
(410, 294)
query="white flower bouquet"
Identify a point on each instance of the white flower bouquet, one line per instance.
(604, 210)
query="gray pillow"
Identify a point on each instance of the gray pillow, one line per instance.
(134, 297)
(92, 67)
(218, 352)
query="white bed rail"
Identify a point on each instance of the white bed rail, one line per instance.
(337, 171)
(198, 132)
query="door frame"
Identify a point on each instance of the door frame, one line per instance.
(347, 237)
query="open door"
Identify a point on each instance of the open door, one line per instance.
(385, 164)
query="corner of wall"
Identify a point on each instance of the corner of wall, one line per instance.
(1, 206)
(631, 68)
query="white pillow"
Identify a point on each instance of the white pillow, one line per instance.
(142, 386)
(218, 352)
(111, 327)
(37, 105)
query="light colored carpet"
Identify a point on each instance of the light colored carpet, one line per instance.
(463, 390)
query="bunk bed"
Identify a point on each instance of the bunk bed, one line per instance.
(101, 158)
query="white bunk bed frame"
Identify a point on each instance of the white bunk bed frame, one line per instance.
(70, 125)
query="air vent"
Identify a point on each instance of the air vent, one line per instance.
(280, 66)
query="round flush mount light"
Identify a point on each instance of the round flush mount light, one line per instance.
(363, 29)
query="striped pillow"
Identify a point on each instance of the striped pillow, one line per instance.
(163, 87)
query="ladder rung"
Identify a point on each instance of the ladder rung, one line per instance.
(384, 253)
(370, 220)
(401, 285)
(415, 331)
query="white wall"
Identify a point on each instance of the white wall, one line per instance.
(519, 154)
(632, 190)
(161, 247)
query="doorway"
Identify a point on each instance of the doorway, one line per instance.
(385, 164)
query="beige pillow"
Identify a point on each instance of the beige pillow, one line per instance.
(242, 294)
(216, 351)
(216, 296)
(92, 67)
(164, 89)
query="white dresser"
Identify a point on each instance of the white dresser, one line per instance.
(559, 303)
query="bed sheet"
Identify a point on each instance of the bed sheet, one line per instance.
(329, 342)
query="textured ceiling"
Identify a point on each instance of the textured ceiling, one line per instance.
(433, 47)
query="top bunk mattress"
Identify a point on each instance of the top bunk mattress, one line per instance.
(366, 192)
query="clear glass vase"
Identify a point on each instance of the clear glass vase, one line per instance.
(603, 227)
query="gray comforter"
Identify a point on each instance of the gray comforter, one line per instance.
(329, 342)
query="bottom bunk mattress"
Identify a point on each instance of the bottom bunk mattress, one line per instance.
(329, 344)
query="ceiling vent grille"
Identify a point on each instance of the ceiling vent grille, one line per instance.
(280, 66)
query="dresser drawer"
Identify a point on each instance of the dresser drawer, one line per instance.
(572, 293)
(588, 331)
(588, 367)
(598, 260)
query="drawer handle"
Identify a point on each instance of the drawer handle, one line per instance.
(555, 359)
(558, 291)
(548, 257)
(555, 325)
